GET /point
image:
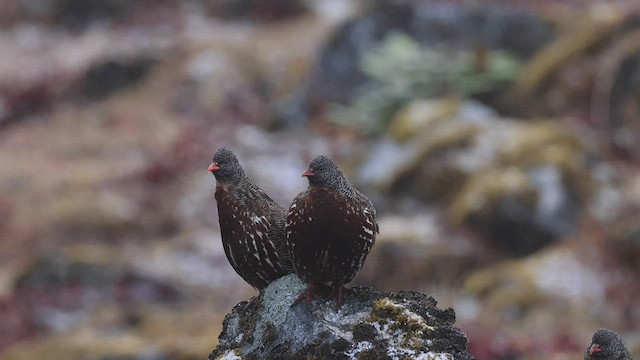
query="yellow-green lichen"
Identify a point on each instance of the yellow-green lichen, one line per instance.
(397, 321)
(270, 333)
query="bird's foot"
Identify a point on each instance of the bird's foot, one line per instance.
(338, 292)
(254, 301)
(307, 294)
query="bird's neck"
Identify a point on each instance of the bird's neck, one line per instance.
(234, 181)
(342, 186)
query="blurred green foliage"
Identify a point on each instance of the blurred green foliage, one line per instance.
(401, 70)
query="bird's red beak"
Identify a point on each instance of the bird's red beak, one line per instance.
(214, 167)
(594, 349)
(308, 172)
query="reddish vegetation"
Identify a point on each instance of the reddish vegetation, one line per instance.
(18, 322)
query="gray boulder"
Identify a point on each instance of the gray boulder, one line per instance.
(369, 325)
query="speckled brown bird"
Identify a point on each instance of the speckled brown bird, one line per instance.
(251, 223)
(606, 345)
(330, 228)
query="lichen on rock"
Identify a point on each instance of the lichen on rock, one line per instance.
(369, 325)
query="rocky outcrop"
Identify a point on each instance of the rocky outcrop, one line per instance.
(369, 325)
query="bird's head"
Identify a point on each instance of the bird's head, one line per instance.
(324, 172)
(226, 167)
(605, 344)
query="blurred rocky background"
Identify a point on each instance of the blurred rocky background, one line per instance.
(499, 141)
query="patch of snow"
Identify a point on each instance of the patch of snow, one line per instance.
(358, 348)
(421, 228)
(561, 274)
(606, 203)
(208, 64)
(608, 199)
(395, 353)
(434, 356)
(230, 355)
(62, 321)
(385, 159)
(238, 338)
(551, 195)
(553, 208)
(475, 112)
(396, 338)
(336, 322)
(337, 317)
(482, 152)
(334, 11)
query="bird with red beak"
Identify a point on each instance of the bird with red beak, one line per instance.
(606, 345)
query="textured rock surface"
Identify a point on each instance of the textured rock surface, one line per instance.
(369, 325)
